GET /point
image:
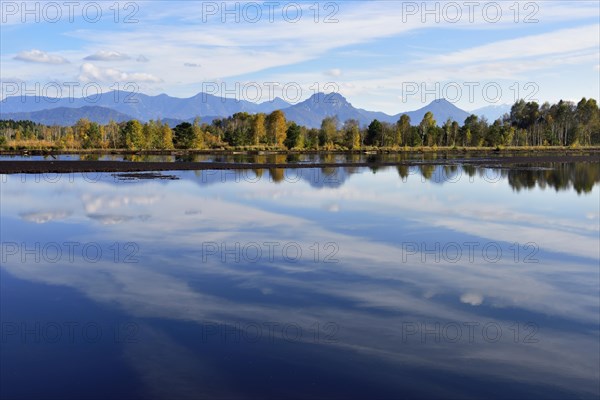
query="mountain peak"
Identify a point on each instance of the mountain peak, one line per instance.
(442, 101)
(276, 100)
(333, 97)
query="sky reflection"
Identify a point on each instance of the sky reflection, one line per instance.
(380, 257)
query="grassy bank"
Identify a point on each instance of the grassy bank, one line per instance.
(40, 148)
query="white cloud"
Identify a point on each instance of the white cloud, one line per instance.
(94, 204)
(334, 72)
(44, 217)
(332, 207)
(92, 73)
(473, 299)
(114, 219)
(38, 56)
(103, 55)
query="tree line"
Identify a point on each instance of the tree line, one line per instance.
(528, 124)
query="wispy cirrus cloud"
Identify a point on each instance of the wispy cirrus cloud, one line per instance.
(179, 41)
(561, 41)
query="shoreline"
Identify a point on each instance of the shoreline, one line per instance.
(249, 151)
(39, 167)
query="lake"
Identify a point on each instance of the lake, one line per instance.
(432, 281)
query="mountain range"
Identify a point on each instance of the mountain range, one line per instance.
(122, 106)
(69, 116)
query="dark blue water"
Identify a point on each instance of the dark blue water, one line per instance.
(430, 282)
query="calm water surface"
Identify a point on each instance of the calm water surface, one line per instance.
(427, 282)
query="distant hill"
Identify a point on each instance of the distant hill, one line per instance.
(313, 110)
(275, 104)
(144, 107)
(441, 109)
(69, 116)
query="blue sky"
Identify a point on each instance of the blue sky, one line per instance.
(389, 56)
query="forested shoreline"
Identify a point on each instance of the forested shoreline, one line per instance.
(527, 125)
